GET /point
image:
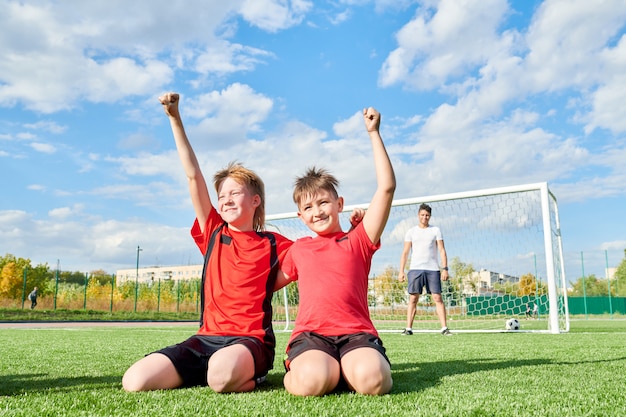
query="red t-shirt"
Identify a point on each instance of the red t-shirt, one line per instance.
(332, 273)
(238, 287)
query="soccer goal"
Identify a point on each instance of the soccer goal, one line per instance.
(505, 261)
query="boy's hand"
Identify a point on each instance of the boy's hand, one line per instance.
(372, 119)
(356, 217)
(170, 103)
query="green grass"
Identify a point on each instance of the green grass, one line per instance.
(26, 315)
(77, 372)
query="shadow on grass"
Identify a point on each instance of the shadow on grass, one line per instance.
(29, 383)
(412, 377)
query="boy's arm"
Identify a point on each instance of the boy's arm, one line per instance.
(281, 281)
(197, 185)
(378, 210)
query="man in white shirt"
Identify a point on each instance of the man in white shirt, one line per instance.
(424, 241)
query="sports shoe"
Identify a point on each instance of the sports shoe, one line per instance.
(407, 332)
(446, 332)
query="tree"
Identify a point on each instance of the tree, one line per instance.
(100, 276)
(75, 277)
(593, 287)
(528, 285)
(12, 276)
(460, 276)
(387, 289)
(620, 278)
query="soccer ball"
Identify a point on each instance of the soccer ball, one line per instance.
(512, 324)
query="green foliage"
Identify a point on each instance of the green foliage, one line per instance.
(293, 295)
(459, 273)
(100, 276)
(12, 276)
(387, 290)
(590, 286)
(620, 277)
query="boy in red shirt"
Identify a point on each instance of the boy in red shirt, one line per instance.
(234, 348)
(334, 337)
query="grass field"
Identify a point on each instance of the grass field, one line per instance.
(77, 372)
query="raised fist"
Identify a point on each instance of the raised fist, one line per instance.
(170, 103)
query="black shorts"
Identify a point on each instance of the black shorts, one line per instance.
(335, 346)
(191, 357)
(419, 278)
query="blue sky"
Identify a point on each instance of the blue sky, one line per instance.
(474, 94)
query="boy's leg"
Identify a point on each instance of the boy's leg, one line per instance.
(231, 369)
(366, 371)
(312, 373)
(155, 371)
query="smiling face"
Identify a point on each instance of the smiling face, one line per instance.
(424, 218)
(236, 204)
(320, 212)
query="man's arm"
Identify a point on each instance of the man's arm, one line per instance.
(403, 259)
(444, 260)
(197, 185)
(378, 210)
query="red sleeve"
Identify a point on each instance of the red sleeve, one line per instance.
(213, 221)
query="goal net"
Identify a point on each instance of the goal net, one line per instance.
(505, 260)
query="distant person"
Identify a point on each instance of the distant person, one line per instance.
(233, 350)
(536, 311)
(528, 311)
(424, 242)
(334, 342)
(33, 298)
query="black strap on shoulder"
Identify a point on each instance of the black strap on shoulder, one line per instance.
(269, 288)
(207, 255)
(271, 279)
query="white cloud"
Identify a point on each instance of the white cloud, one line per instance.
(615, 245)
(221, 57)
(43, 147)
(608, 100)
(439, 44)
(565, 40)
(227, 116)
(65, 212)
(274, 15)
(36, 187)
(79, 244)
(58, 56)
(47, 126)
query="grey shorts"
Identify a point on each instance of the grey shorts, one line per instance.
(420, 279)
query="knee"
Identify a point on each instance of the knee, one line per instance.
(371, 381)
(219, 381)
(131, 382)
(310, 381)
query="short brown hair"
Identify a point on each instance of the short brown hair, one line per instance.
(250, 179)
(312, 181)
(426, 207)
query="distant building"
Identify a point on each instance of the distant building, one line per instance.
(484, 282)
(154, 273)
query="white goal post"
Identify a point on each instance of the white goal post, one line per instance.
(504, 253)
